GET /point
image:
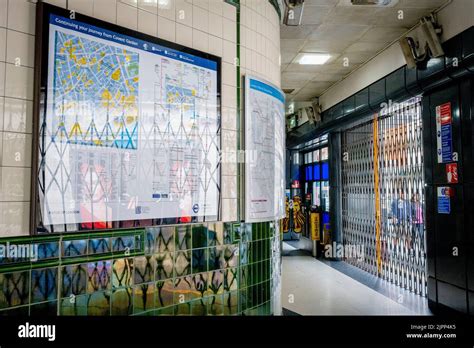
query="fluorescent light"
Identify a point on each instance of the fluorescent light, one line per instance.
(314, 58)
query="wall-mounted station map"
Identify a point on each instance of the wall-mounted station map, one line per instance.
(131, 129)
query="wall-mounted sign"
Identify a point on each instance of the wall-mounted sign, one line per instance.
(264, 150)
(452, 173)
(444, 137)
(444, 200)
(131, 127)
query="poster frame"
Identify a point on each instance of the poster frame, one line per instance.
(40, 90)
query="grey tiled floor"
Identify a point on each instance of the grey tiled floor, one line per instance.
(312, 287)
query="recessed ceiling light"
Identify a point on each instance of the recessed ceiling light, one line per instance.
(314, 58)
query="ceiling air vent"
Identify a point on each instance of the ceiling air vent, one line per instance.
(379, 3)
(288, 90)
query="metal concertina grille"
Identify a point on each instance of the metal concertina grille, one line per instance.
(400, 191)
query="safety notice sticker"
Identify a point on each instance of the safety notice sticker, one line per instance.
(452, 173)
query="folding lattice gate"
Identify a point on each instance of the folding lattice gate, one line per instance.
(394, 188)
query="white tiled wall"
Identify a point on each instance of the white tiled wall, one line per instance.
(207, 25)
(260, 40)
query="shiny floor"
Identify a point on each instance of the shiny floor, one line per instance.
(312, 287)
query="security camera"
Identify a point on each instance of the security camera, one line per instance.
(293, 12)
(294, 3)
(408, 46)
(422, 44)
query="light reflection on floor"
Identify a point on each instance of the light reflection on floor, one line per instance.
(312, 287)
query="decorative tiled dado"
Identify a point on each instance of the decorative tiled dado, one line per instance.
(200, 269)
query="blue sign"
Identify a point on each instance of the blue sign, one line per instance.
(267, 89)
(446, 143)
(196, 208)
(131, 41)
(444, 200)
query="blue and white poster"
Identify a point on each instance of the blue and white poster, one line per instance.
(264, 151)
(131, 130)
(444, 137)
(444, 200)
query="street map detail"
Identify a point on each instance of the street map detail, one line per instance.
(95, 93)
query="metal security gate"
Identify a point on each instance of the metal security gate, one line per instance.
(383, 196)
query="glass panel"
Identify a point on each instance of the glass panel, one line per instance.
(317, 172)
(325, 171)
(316, 155)
(306, 187)
(305, 158)
(325, 218)
(325, 195)
(317, 193)
(324, 154)
(310, 157)
(296, 158)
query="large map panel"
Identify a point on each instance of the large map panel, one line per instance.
(265, 151)
(131, 131)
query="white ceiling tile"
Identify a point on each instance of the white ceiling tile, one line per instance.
(299, 32)
(383, 34)
(316, 86)
(296, 85)
(314, 14)
(295, 76)
(307, 69)
(326, 77)
(338, 68)
(352, 15)
(354, 57)
(332, 46)
(365, 47)
(291, 45)
(334, 32)
(287, 57)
